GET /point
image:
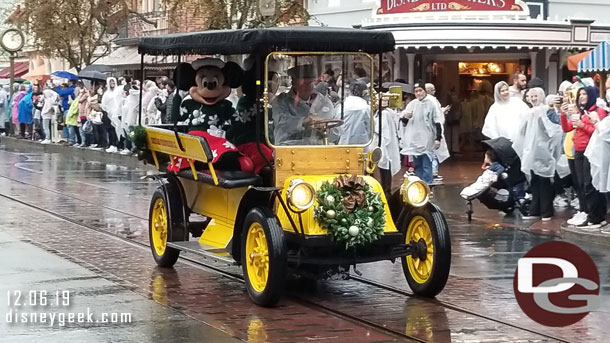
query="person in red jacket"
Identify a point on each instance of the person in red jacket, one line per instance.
(576, 118)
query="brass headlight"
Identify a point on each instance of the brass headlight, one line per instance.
(300, 195)
(415, 192)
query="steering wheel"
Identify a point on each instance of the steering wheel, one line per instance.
(326, 124)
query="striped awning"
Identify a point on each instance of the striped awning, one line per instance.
(597, 60)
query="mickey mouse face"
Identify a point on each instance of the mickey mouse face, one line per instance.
(211, 85)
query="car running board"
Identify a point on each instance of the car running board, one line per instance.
(205, 251)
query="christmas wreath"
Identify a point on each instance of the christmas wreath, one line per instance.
(137, 135)
(351, 212)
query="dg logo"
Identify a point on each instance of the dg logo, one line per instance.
(557, 284)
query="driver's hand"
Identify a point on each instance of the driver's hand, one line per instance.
(310, 119)
(437, 144)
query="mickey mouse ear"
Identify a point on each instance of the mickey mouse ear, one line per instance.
(234, 74)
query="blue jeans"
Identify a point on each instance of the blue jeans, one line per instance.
(71, 134)
(423, 168)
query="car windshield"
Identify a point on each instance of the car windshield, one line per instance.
(319, 99)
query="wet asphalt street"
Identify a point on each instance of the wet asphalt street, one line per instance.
(57, 211)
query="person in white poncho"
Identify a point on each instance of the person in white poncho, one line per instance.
(112, 102)
(541, 150)
(598, 153)
(356, 128)
(389, 165)
(506, 117)
(423, 133)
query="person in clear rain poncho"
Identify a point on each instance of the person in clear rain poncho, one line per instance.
(423, 133)
(356, 127)
(506, 117)
(541, 150)
(112, 103)
(598, 153)
(294, 112)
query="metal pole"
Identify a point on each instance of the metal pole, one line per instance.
(9, 123)
(380, 96)
(141, 88)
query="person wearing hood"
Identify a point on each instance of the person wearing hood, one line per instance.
(129, 118)
(152, 115)
(356, 112)
(50, 99)
(25, 113)
(389, 165)
(598, 152)
(593, 211)
(112, 103)
(4, 120)
(423, 132)
(37, 101)
(442, 153)
(66, 92)
(15, 106)
(72, 121)
(541, 150)
(506, 117)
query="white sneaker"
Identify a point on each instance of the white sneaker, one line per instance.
(560, 202)
(575, 204)
(547, 219)
(46, 141)
(579, 218)
(125, 152)
(93, 146)
(112, 149)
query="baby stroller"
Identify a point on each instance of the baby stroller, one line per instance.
(503, 193)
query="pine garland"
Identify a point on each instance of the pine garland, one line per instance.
(348, 223)
(137, 135)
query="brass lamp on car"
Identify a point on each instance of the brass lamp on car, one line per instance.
(414, 191)
(372, 159)
(300, 195)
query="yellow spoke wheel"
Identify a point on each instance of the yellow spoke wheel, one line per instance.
(165, 224)
(158, 226)
(420, 265)
(263, 256)
(257, 257)
(427, 232)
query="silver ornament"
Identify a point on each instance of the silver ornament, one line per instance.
(330, 214)
(353, 231)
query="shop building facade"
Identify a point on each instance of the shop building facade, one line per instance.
(461, 45)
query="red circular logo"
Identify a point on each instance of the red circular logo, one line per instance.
(556, 284)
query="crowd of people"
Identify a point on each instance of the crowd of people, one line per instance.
(87, 114)
(561, 141)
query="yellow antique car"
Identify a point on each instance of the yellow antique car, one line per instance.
(314, 208)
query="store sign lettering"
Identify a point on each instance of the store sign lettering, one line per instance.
(415, 6)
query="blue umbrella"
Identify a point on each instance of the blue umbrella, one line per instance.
(65, 75)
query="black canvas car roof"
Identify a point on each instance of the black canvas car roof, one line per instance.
(303, 38)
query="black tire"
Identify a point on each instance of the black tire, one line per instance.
(272, 289)
(441, 255)
(168, 195)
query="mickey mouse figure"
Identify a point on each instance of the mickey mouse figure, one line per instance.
(208, 113)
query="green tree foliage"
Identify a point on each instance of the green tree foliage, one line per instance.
(239, 14)
(76, 30)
